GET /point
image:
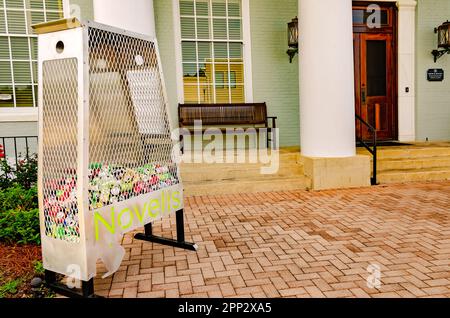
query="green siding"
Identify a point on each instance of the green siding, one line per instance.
(275, 80)
(432, 99)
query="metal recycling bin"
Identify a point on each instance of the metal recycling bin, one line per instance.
(106, 164)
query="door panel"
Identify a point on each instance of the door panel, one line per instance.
(375, 84)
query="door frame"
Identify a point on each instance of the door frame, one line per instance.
(392, 30)
(406, 67)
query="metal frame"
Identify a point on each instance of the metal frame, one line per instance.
(180, 241)
(87, 288)
(373, 151)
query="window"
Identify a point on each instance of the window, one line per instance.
(212, 51)
(18, 48)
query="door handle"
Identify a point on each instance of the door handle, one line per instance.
(363, 95)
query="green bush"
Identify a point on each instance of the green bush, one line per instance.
(20, 227)
(18, 198)
(25, 174)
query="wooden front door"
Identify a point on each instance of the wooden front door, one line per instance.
(375, 77)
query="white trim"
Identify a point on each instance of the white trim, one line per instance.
(247, 50)
(177, 47)
(247, 38)
(406, 72)
(11, 114)
(66, 8)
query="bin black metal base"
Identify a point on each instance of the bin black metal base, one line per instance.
(87, 288)
(179, 242)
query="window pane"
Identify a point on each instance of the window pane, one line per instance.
(236, 50)
(4, 48)
(188, 28)
(220, 79)
(51, 16)
(24, 96)
(16, 22)
(206, 71)
(206, 94)
(35, 4)
(222, 94)
(221, 68)
(220, 28)
(5, 72)
(220, 51)
(234, 27)
(2, 22)
(37, 17)
(19, 48)
(237, 70)
(22, 73)
(53, 5)
(189, 51)
(202, 7)
(190, 93)
(238, 94)
(189, 70)
(376, 68)
(6, 96)
(34, 48)
(234, 8)
(35, 72)
(187, 7)
(204, 52)
(203, 28)
(14, 4)
(219, 8)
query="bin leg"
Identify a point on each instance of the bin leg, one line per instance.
(87, 288)
(179, 242)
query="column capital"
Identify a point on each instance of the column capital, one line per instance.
(406, 4)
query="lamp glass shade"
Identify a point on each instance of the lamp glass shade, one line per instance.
(293, 33)
(444, 35)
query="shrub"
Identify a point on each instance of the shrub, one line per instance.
(21, 227)
(25, 174)
(18, 198)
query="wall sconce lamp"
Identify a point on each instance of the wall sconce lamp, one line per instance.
(443, 32)
(292, 39)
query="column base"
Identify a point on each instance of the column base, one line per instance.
(338, 173)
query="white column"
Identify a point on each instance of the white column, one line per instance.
(327, 99)
(406, 70)
(136, 15)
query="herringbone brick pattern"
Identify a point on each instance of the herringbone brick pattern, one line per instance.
(298, 244)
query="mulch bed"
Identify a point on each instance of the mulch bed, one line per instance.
(18, 262)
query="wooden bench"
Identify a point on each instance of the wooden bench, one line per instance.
(250, 115)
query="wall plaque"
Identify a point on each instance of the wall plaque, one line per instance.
(435, 75)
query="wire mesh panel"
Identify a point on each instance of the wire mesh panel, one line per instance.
(60, 116)
(130, 146)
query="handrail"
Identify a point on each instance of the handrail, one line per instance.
(373, 151)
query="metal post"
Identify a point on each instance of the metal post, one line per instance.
(179, 242)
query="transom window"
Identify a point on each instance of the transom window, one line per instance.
(18, 48)
(212, 51)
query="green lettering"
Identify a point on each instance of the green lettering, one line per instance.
(119, 219)
(110, 227)
(154, 208)
(176, 199)
(140, 215)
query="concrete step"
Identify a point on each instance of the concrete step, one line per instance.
(217, 172)
(414, 175)
(255, 185)
(409, 152)
(411, 164)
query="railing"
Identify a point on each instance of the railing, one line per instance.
(373, 150)
(14, 148)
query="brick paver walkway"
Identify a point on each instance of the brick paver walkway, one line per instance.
(299, 244)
